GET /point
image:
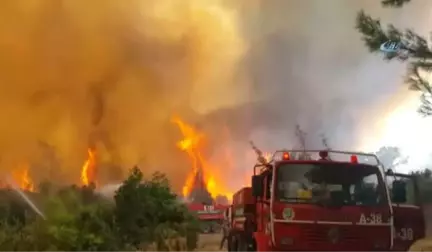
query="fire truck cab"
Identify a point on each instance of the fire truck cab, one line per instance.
(298, 202)
(408, 215)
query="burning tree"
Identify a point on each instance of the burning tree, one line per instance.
(22, 178)
(88, 171)
(200, 185)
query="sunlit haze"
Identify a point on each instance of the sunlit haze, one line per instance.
(403, 127)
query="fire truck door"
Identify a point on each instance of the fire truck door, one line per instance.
(407, 212)
(264, 209)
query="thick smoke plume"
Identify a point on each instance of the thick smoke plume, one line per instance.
(76, 74)
(80, 73)
(308, 65)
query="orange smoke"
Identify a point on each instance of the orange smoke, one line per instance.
(193, 143)
(88, 171)
(22, 178)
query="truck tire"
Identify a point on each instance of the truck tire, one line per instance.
(232, 243)
(252, 246)
(206, 229)
(242, 244)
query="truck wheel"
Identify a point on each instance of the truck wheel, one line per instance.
(206, 229)
(249, 245)
(252, 246)
(242, 245)
(232, 244)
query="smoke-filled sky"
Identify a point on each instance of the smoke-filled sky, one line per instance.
(111, 73)
(308, 65)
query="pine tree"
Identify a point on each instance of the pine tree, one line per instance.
(418, 56)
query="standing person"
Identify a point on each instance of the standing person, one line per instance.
(321, 193)
(226, 229)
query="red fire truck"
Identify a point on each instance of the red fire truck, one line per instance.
(301, 202)
(210, 216)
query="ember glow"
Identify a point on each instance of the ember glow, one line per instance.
(193, 143)
(88, 171)
(268, 156)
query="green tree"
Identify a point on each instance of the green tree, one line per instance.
(73, 224)
(419, 54)
(424, 180)
(147, 212)
(70, 225)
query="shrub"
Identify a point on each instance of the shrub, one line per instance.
(145, 213)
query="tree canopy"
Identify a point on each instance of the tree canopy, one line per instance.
(418, 56)
(145, 213)
(419, 61)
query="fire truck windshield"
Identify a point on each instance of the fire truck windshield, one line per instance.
(348, 184)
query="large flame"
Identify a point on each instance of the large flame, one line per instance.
(69, 68)
(190, 144)
(193, 143)
(22, 178)
(88, 171)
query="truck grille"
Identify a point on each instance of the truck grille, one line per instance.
(327, 234)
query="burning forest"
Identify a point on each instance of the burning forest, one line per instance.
(204, 182)
(86, 93)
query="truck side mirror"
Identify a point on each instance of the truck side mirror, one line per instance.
(257, 186)
(398, 192)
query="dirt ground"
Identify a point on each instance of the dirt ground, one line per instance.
(425, 244)
(210, 242)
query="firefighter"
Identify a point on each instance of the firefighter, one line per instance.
(306, 185)
(226, 229)
(321, 191)
(305, 190)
